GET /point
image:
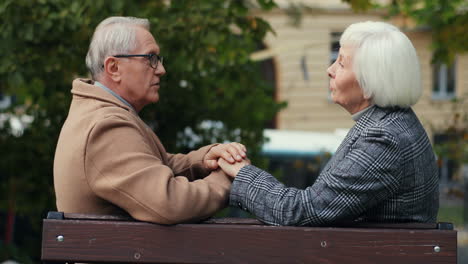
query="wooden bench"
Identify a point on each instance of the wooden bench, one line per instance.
(93, 238)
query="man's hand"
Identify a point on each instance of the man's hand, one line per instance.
(232, 169)
(231, 152)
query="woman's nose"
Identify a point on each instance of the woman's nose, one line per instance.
(330, 71)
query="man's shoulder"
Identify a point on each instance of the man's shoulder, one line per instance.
(95, 109)
(86, 114)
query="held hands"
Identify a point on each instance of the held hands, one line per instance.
(230, 152)
(232, 169)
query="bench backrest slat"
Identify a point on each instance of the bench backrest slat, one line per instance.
(78, 240)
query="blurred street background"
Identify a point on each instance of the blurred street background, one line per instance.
(252, 71)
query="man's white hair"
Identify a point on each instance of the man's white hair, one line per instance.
(385, 63)
(114, 35)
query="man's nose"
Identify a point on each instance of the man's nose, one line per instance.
(160, 70)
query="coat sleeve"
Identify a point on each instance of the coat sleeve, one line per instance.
(190, 165)
(121, 168)
(366, 175)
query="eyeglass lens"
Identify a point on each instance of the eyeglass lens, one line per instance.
(155, 59)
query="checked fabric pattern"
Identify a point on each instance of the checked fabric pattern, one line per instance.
(383, 171)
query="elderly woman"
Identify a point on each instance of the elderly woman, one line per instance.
(384, 170)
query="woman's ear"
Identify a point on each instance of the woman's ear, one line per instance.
(367, 95)
(111, 68)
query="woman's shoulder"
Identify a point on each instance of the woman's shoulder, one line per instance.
(399, 122)
(395, 117)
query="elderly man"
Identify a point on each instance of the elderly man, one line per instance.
(109, 161)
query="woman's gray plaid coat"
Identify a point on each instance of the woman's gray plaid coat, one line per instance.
(384, 171)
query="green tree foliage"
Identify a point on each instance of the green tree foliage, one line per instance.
(208, 63)
(206, 45)
(360, 5)
(447, 21)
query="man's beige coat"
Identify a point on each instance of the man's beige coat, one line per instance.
(108, 161)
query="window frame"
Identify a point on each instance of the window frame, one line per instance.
(442, 78)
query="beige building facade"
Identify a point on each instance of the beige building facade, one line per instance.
(301, 54)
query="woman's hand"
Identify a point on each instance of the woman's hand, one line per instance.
(230, 152)
(232, 169)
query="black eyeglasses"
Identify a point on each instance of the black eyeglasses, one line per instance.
(154, 59)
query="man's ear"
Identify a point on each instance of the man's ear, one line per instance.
(111, 68)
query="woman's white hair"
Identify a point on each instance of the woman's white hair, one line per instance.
(385, 63)
(114, 35)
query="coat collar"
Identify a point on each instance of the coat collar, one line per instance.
(87, 88)
(371, 117)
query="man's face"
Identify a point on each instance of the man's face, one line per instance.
(140, 82)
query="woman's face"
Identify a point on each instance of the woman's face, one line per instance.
(344, 87)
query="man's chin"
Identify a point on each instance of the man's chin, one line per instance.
(155, 98)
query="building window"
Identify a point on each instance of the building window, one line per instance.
(443, 81)
(268, 74)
